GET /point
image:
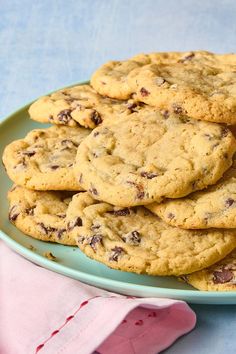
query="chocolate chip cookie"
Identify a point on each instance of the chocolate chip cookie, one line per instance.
(200, 91)
(135, 240)
(151, 156)
(213, 207)
(79, 105)
(44, 159)
(219, 277)
(41, 215)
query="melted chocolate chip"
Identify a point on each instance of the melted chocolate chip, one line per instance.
(93, 190)
(54, 167)
(46, 229)
(132, 107)
(148, 175)
(187, 58)
(96, 118)
(68, 143)
(171, 216)
(144, 92)
(96, 134)
(165, 113)
(95, 227)
(64, 116)
(121, 212)
(30, 211)
(13, 213)
(177, 108)
(223, 276)
(116, 252)
(140, 194)
(61, 216)
(60, 232)
(229, 202)
(72, 224)
(224, 132)
(132, 238)
(94, 240)
(28, 153)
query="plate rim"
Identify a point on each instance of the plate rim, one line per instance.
(67, 271)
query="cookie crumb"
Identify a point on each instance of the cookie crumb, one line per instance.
(32, 248)
(50, 256)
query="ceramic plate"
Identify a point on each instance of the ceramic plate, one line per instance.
(70, 261)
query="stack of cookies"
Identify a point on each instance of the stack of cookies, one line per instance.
(138, 169)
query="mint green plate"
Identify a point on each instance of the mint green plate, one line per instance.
(70, 261)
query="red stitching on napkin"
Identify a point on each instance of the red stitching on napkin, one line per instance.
(68, 319)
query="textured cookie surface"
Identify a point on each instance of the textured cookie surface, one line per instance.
(111, 78)
(41, 215)
(199, 84)
(213, 207)
(151, 156)
(78, 105)
(205, 92)
(135, 240)
(219, 277)
(44, 159)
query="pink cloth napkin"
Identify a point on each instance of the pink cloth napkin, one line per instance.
(47, 313)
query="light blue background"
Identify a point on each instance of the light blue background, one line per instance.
(45, 45)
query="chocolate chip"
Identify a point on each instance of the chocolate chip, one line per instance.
(224, 132)
(140, 192)
(144, 92)
(177, 108)
(187, 57)
(68, 143)
(96, 134)
(61, 216)
(149, 175)
(30, 211)
(64, 116)
(28, 153)
(93, 190)
(171, 216)
(132, 238)
(96, 118)
(222, 276)
(95, 227)
(76, 222)
(121, 212)
(46, 229)
(132, 106)
(229, 202)
(94, 240)
(81, 239)
(60, 232)
(165, 113)
(13, 213)
(116, 252)
(54, 167)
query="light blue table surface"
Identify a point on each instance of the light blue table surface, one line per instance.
(45, 45)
